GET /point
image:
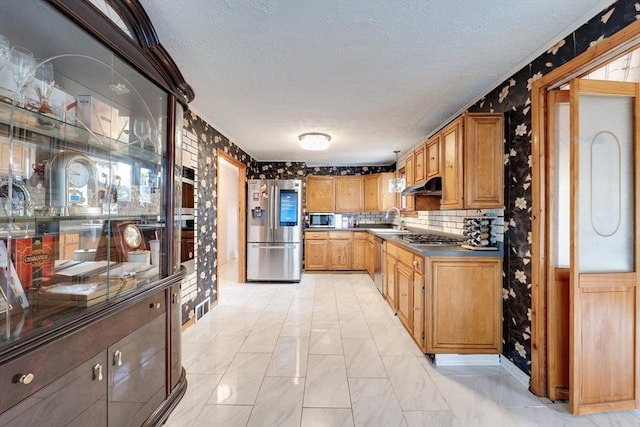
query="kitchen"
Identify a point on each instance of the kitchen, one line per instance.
(518, 256)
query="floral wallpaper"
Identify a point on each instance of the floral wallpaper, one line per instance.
(209, 140)
(513, 98)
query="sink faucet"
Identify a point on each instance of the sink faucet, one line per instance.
(390, 209)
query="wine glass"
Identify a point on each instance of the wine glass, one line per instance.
(44, 87)
(142, 130)
(21, 63)
(5, 51)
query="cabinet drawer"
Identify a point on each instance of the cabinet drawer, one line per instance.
(53, 360)
(360, 235)
(316, 235)
(340, 235)
(402, 255)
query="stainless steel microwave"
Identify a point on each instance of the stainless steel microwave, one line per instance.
(321, 220)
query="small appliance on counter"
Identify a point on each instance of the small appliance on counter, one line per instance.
(321, 220)
(479, 234)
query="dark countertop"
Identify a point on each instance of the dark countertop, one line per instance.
(432, 251)
(388, 234)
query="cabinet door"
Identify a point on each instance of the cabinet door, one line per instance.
(176, 334)
(358, 261)
(419, 166)
(349, 194)
(78, 398)
(419, 318)
(464, 305)
(369, 261)
(452, 162)
(339, 254)
(409, 170)
(483, 160)
(371, 192)
(320, 194)
(390, 290)
(137, 374)
(433, 156)
(315, 254)
(404, 278)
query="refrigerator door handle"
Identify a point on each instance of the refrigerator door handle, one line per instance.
(276, 207)
(274, 247)
(271, 211)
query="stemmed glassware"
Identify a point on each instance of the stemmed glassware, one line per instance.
(44, 87)
(142, 130)
(21, 64)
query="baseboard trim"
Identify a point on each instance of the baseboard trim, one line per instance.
(515, 372)
(188, 323)
(466, 359)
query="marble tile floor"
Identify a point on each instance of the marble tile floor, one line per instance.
(329, 352)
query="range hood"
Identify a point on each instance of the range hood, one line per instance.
(432, 187)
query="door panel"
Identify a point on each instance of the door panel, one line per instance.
(559, 235)
(604, 249)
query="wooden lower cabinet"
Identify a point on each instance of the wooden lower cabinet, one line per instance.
(359, 251)
(336, 250)
(404, 278)
(464, 305)
(339, 254)
(419, 317)
(448, 304)
(112, 372)
(315, 254)
(389, 286)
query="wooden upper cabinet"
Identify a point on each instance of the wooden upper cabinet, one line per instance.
(377, 197)
(471, 164)
(483, 160)
(419, 164)
(432, 156)
(452, 189)
(409, 170)
(321, 191)
(349, 194)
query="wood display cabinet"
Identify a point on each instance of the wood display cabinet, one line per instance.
(90, 149)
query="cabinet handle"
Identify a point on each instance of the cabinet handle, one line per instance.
(175, 297)
(97, 372)
(415, 263)
(117, 358)
(156, 305)
(25, 378)
(433, 158)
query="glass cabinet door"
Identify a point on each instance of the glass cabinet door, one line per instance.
(83, 171)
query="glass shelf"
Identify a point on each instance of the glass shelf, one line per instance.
(75, 137)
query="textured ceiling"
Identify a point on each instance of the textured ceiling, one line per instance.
(376, 75)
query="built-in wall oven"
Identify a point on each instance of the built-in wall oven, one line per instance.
(187, 220)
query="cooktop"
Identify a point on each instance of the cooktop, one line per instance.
(428, 239)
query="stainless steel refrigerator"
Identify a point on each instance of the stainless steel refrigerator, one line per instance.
(274, 230)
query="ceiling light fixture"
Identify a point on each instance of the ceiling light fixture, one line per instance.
(314, 141)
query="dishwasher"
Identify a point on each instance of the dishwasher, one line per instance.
(378, 263)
